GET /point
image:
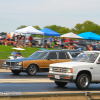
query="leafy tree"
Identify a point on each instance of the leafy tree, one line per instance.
(86, 27)
(59, 29)
(23, 26)
(37, 27)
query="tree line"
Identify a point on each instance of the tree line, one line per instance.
(79, 28)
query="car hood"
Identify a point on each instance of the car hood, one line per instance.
(71, 64)
(20, 60)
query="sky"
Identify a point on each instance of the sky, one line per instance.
(64, 13)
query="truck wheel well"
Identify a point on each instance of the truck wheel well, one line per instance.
(35, 65)
(85, 72)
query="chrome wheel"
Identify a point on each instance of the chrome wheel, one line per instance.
(84, 81)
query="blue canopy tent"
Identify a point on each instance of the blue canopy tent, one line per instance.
(89, 36)
(49, 32)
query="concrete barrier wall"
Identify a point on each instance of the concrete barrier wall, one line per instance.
(65, 96)
(79, 96)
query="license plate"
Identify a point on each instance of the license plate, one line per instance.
(57, 76)
(8, 68)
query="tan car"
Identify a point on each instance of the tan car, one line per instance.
(39, 61)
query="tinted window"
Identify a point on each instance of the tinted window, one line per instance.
(53, 55)
(62, 55)
(74, 54)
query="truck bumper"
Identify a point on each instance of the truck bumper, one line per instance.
(16, 67)
(61, 78)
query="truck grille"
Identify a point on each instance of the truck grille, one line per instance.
(59, 69)
(11, 63)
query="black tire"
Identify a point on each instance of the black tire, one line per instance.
(16, 72)
(32, 70)
(60, 84)
(83, 81)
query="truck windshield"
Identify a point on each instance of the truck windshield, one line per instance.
(86, 57)
(38, 55)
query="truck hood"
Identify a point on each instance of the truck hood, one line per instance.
(20, 60)
(71, 64)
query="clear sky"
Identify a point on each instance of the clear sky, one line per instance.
(65, 13)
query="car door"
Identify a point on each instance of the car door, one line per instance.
(51, 58)
(96, 69)
(63, 57)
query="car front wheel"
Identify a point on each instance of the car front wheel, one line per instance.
(32, 69)
(83, 81)
(60, 84)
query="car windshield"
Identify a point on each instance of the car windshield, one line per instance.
(86, 57)
(39, 55)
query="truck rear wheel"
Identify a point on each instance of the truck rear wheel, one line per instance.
(16, 72)
(83, 81)
(60, 84)
(32, 70)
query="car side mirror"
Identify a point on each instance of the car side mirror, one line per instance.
(48, 58)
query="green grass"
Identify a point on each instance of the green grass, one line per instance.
(5, 51)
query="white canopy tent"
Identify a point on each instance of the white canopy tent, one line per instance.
(71, 35)
(29, 29)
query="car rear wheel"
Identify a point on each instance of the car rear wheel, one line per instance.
(32, 70)
(60, 84)
(16, 72)
(83, 81)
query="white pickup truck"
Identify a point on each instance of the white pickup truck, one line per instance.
(83, 70)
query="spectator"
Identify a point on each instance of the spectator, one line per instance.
(62, 44)
(33, 42)
(22, 45)
(45, 44)
(18, 53)
(50, 41)
(71, 44)
(13, 53)
(30, 38)
(63, 40)
(55, 40)
(89, 47)
(9, 36)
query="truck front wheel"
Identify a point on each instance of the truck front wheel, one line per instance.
(83, 81)
(60, 84)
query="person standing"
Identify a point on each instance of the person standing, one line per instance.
(30, 38)
(9, 36)
(50, 41)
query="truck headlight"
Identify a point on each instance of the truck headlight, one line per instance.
(50, 68)
(19, 63)
(69, 70)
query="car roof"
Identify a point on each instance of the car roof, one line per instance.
(92, 51)
(63, 50)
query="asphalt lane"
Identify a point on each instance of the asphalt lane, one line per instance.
(43, 87)
(10, 75)
(38, 83)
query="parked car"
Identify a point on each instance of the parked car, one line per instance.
(82, 71)
(39, 61)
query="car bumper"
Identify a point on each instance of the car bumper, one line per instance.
(16, 67)
(61, 78)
